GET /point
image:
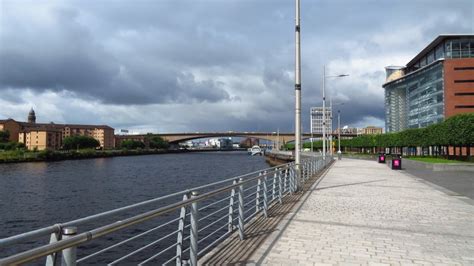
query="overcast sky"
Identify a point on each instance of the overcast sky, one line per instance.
(207, 65)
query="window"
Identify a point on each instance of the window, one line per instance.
(456, 48)
(439, 52)
(449, 53)
(472, 48)
(464, 49)
(430, 57)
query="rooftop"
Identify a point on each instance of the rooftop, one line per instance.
(435, 43)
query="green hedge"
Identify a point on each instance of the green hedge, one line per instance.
(454, 131)
(457, 131)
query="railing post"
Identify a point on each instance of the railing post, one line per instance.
(52, 259)
(69, 254)
(231, 208)
(291, 179)
(179, 241)
(265, 196)
(241, 210)
(285, 181)
(193, 249)
(274, 184)
(257, 196)
(279, 185)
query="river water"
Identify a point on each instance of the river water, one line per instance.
(34, 195)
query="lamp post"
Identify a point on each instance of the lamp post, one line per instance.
(324, 106)
(339, 153)
(297, 91)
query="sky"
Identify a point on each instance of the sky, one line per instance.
(208, 65)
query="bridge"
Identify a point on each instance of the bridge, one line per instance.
(175, 138)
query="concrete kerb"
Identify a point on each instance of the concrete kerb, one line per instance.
(275, 236)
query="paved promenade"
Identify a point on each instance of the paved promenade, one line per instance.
(362, 212)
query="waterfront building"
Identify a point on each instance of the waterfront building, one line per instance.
(317, 120)
(41, 138)
(436, 84)
(44, 135)
(102, 133)
(12, 126)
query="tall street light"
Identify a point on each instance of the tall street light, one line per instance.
(339, 153)
(324, 106)
(297, 91)
(331, 137)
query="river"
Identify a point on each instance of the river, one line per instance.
(34, 195)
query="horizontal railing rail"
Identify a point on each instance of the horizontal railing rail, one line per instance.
(198, 228)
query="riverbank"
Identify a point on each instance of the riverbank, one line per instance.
(47, 155)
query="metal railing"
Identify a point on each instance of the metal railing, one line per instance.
(205, 216)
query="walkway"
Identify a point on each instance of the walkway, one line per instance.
(362, 212)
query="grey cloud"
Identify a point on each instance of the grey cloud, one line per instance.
(135, 53)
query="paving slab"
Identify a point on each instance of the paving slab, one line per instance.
(363, 213)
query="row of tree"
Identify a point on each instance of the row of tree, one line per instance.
(456, 131)
(80, 142)
(153, 141)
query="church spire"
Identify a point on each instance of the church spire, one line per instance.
(32, 116)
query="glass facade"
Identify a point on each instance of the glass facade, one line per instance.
(452, 47)
(416, 100)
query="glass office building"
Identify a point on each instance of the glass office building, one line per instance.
(428, 89)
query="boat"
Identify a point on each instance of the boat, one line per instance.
(255, 150)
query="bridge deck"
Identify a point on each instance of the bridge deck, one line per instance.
(361, 212)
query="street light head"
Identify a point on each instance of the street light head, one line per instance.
(343, 75)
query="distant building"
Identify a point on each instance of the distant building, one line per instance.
(221, 143)
(347, 130)
(317, 120)
(42, 136)
(370, 130)
(249, 142)
(436, 84)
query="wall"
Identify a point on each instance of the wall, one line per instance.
(453, 73)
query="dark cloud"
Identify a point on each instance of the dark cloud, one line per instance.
(234, 54)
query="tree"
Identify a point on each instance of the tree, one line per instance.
(4, 136)
(157, 142)
(80, 142)
(132, 144)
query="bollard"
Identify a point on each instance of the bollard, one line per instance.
(193, 245)
(397, 163)
(241, 210)
(381, 158)
(69, 255)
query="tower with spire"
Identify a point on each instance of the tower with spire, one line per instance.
(32, 116)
